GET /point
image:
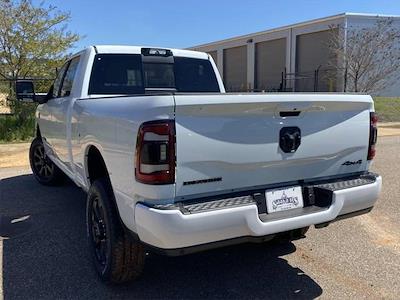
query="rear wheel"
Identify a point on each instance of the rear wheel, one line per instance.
(44, 170)
(117, 258)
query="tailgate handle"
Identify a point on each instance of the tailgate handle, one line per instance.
(289, 113)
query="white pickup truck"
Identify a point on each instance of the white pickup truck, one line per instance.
(172, 163)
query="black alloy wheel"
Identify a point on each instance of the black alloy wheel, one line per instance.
(99, 231)
(44, 170)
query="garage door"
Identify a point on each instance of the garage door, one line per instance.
(312, 53)
(235, 69)
(270, 62)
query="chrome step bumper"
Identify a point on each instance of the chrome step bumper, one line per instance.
(181, 225)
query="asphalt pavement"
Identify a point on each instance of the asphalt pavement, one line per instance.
(43, 252)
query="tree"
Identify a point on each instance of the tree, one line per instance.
(33, 40)
(369, 57)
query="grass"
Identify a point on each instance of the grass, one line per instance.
(19, 126)
(387, 108)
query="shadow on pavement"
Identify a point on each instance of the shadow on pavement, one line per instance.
(45, 256)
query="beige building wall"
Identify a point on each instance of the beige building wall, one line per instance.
(304, 52)
(281, 51)
(214, 55)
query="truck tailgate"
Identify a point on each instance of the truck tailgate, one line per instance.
(229, 142)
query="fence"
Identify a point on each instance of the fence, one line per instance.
(318, 80)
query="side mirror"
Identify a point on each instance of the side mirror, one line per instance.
(49, 95)
(25, 90)
(43, 97)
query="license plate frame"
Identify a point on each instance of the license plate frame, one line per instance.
(284, 199)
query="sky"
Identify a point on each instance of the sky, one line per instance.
(181, 24)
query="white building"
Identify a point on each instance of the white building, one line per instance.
(293, 58)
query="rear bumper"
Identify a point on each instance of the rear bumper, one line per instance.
(171, 228)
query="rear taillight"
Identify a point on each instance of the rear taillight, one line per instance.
(155, 153)
(373, 135)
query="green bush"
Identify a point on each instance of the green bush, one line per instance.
(20, 126)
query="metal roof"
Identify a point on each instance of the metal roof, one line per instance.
(300, 24)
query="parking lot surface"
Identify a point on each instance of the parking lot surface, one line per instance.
(43, 251)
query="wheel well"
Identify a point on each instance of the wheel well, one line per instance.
(96, 169)
(95, 164)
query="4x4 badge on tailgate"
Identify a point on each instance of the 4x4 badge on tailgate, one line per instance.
(350, 163)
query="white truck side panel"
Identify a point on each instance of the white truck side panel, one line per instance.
(111, 125)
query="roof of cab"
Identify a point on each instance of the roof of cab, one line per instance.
(137, 50)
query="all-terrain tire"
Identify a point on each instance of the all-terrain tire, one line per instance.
(117, 258)
(44, 170)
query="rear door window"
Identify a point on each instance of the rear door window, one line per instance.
(58, 80)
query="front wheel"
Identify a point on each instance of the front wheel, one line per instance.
(117, 259)
(44, 170)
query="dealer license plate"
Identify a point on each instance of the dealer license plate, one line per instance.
(284, 199)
